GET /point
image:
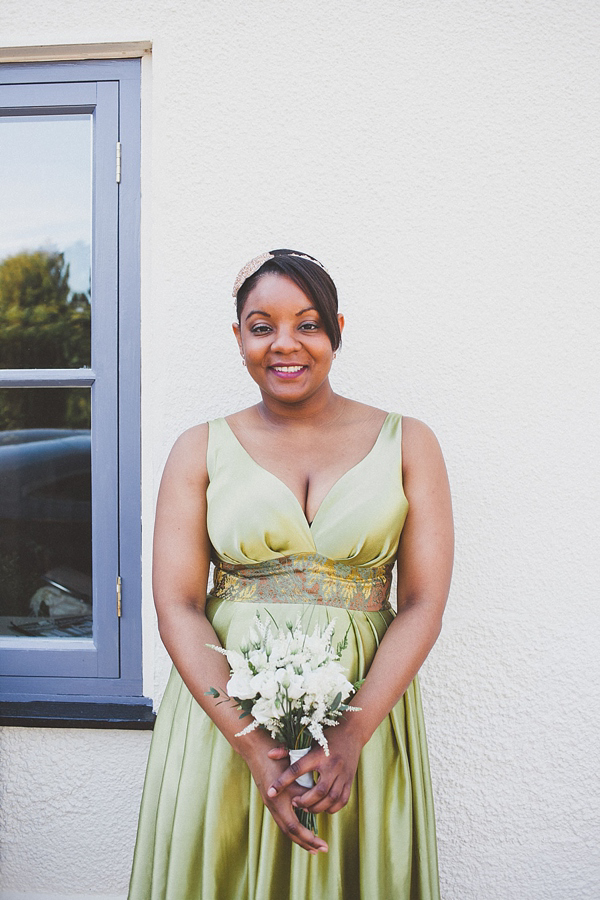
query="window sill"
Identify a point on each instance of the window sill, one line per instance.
(51, 714)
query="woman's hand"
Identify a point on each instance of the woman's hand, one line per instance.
(336, 772)
(267, 768)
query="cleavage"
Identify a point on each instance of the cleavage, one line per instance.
(301, 489)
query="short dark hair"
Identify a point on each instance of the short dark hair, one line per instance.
(308, 274)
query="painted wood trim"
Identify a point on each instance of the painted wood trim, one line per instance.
(57, 52)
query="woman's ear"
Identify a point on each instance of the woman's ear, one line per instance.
(238, 336)
(340, 319)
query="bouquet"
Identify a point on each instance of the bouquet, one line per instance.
(293, 684)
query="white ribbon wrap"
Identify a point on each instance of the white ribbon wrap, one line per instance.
(303, 780)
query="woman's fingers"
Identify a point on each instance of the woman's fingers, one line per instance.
(280, 806)
(278, 753)
(300, 835)
(301, 767)
(336, 773)
(344, 797)
(288, 822)
(322, 797)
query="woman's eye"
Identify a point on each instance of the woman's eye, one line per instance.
(309, 326)
(260, 329)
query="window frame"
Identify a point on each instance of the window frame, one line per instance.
(34, 695)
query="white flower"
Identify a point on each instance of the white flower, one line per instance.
(258, 658)
(297, 687)
(240, 685)
(264, 684)
(264, 710)
(324, 684)
(236, 660)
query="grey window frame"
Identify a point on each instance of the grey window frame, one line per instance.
(110, 693)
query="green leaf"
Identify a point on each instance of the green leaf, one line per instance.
(212, 693)
(336, 702)
(344, 643)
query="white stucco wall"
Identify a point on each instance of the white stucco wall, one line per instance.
(441, 158)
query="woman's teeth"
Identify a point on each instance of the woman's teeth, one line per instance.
(288, 369)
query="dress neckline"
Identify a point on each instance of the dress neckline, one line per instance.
(333, 486)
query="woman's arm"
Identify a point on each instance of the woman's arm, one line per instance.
(181, 563)
(425, 557)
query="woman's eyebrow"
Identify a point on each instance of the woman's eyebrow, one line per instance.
(258, 312)
(306, 309)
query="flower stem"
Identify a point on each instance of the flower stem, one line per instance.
(308, 819)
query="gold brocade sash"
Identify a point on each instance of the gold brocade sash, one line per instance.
(304, 578)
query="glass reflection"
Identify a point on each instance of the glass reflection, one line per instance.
(45, 512)
(45, 228)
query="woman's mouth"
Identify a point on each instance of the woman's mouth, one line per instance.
(288, 371)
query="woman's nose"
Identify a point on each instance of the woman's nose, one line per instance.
(285, 339)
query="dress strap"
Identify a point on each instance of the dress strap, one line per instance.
(217, 435)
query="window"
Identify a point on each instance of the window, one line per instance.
(69, 384)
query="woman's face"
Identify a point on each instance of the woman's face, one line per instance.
(283, 341)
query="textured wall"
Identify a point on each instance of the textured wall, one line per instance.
(69, 806)
(442, 159)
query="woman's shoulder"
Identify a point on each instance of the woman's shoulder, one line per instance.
(420, 446)
(191, 449)
(416, 429)
(417, 437)
(242, 418)
(360, 414)
(192, 437)
(188, 454)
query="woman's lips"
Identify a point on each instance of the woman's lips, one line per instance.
(289, 371)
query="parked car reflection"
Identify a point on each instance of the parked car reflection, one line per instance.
(45, 532)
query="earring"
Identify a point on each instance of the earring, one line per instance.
(334, 355)
(243, 360)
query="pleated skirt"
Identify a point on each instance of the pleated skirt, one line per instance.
(204, 833)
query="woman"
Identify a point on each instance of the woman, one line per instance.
(304, 483)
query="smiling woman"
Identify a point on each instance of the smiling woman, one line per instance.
(284, 340)
(304, 502)
(313, 280)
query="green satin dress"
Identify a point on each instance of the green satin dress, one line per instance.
(204, 833)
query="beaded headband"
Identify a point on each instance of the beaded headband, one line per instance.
(254, 265)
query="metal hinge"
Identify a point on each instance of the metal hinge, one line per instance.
(119, 583)
(118, 162)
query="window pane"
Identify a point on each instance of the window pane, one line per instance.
(45, 228)
(45, 512)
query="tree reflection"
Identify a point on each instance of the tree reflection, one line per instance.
(42, 326)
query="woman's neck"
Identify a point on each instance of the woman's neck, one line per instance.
(322, 408)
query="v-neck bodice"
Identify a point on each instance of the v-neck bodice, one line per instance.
(253, 516)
